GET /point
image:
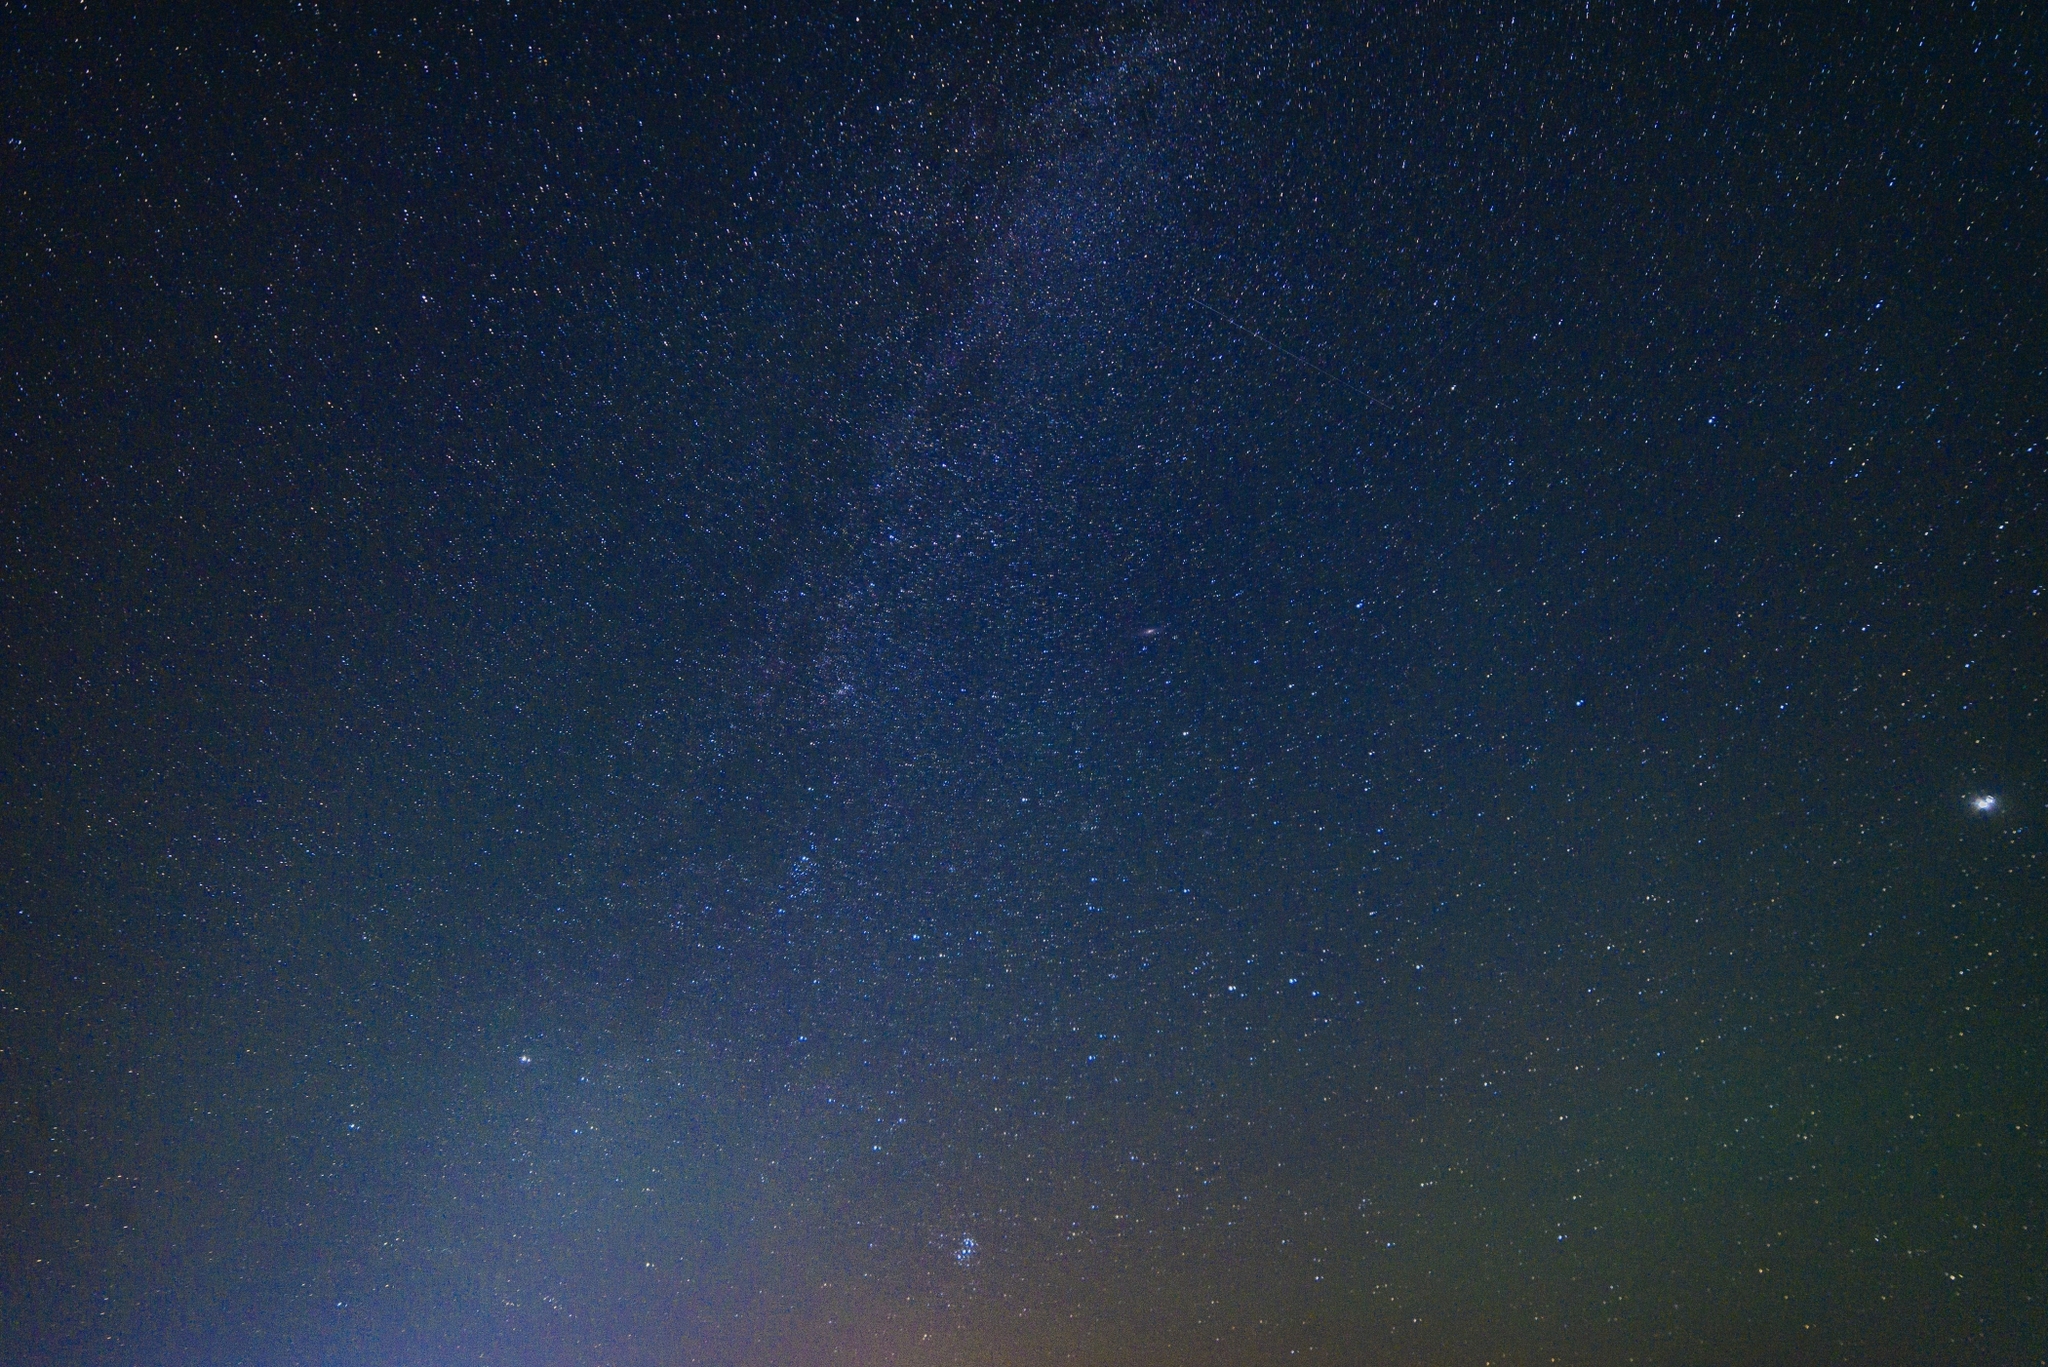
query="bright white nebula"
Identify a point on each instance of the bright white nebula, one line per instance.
(1984, 804)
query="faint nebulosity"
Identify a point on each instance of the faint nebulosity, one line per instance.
(1101, 684)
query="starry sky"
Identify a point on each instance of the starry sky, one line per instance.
(1092, 684)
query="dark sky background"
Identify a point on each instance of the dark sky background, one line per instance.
(1093, 685)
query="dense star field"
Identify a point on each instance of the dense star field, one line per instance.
(1098, 685)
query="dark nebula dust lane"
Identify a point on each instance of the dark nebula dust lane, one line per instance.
(1087, 684)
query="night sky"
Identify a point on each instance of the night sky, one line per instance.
(1102, 685)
